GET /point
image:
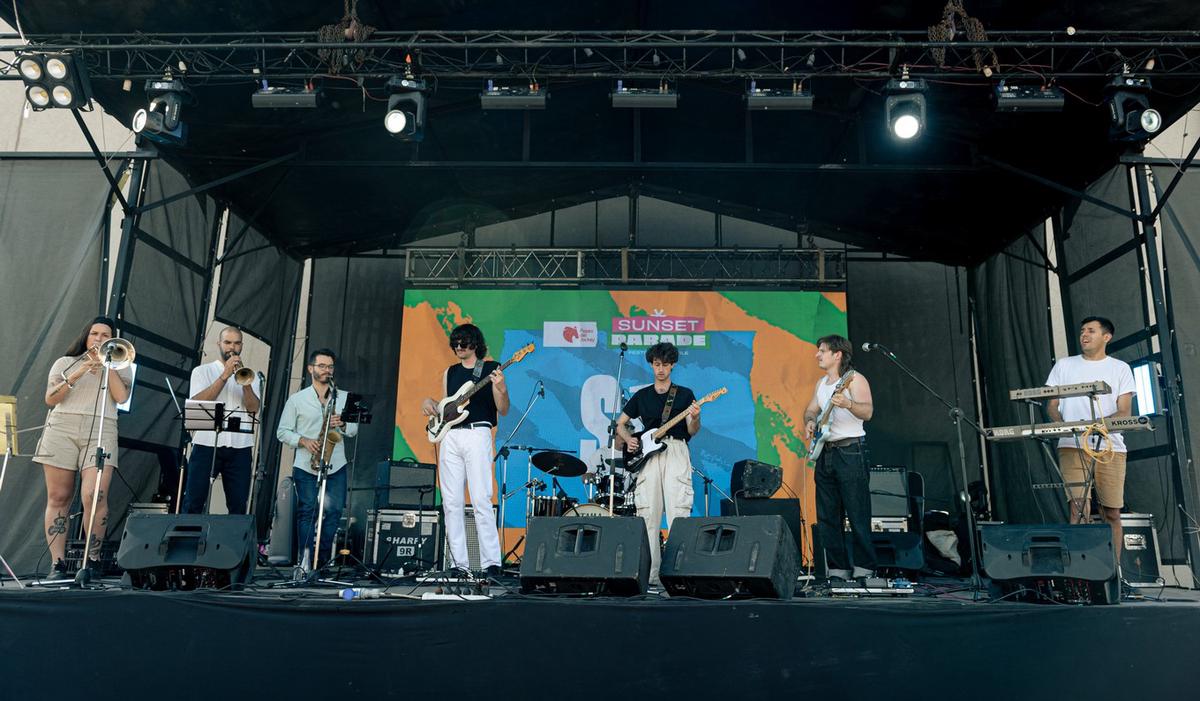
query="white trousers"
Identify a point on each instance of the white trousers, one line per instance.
(664, 481)
(465, 460)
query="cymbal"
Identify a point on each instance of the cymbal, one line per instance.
(558, 464)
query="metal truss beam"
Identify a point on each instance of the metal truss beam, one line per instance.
(778, 267)
(542, 55)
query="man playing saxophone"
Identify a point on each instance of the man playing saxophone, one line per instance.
(304, 418)
(212, 382)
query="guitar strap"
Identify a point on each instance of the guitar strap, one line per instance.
(667, 408)
(478, 371)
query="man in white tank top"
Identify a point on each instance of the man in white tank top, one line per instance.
(842, 477)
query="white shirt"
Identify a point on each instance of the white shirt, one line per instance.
(842, 423)
(301, 418)
(1077, 369)
(230, 395)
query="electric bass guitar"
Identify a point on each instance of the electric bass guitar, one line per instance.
(650, 442)
(821, 433)
(452, 410)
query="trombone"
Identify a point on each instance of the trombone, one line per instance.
(115, 354)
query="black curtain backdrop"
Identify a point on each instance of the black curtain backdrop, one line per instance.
(259, 292)
(919, 312)
(163, 314)
(1180, 226)
(51, 225)
(356, 308)
(1015, 351)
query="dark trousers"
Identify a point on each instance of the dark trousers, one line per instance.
(233, 466)
(844, 492)
(307, 494)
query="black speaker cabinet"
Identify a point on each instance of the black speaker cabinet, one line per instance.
(188, 551)
(1064, 562)
(586, 555)
(719, 557)
(788, 508)
(898, 551)
(755, 480)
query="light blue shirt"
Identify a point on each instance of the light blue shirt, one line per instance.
(301, 418)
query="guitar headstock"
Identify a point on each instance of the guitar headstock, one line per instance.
(520, 354)
(712, 395)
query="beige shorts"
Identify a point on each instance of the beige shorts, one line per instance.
(69, 442)
(1110, 476)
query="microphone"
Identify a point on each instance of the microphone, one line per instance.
(541, 389)
(624, 347)
(868, 347)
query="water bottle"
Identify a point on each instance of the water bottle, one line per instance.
(361, 593)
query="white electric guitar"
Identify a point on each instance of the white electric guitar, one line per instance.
(821, 433)
(452, 410)
(650, 443)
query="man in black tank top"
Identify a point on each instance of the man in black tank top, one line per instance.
(842, 477)
(666, 478)
(465, 455)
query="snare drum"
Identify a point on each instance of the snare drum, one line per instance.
(552, 505)
(589, 510)
(602, 489)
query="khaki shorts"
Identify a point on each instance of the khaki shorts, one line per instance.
(69, 442)
(1110, 476)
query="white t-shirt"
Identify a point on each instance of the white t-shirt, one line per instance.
(231, 395)
(1077, 369)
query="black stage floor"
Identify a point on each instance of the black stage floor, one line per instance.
(309, 644)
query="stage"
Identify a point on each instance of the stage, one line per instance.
(309, 643)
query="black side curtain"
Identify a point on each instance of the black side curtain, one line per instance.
(51, 225)
(1015, 351)
(259, 292)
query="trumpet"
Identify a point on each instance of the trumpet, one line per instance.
(243, 375)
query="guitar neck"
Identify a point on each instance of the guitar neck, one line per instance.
(829, 407)
(484, 382)
(662, 430)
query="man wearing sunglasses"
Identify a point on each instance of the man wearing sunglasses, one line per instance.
(465, 456)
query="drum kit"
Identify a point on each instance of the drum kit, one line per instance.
(606, 486)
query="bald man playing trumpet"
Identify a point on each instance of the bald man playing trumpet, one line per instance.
(237, 387)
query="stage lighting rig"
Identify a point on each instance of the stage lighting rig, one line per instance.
(405, 118)
(662, 97)
(160, 121)
(797, 98)
(1131, 118)
(1028, 98)
(904, 107)
(53, 81)
(520, 97)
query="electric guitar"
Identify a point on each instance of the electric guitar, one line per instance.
(452, 410)
(821, 432)
(650, 443)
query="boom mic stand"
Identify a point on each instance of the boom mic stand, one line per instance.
(83, 577)
(957, 417)
(323, 470)
(612, 435)
(538, 393)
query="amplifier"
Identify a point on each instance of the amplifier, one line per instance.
(888, 524)
(1141, 562)
(473, 559)
(405, 484)
(403, 541)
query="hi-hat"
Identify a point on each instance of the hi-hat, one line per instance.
(558, 464)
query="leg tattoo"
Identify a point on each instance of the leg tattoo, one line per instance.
(58, 527)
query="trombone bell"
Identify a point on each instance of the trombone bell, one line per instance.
(117, 353)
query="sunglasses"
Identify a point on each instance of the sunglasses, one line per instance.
(466, 345)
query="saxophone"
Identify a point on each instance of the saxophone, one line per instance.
(329, 436)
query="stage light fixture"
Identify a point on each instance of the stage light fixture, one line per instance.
(1131, 118)
(285, 98)
(662, 97)
(766, 98)
(405, 117)
(904, 108)
(160, 121)
(1028, 98)
(518, 97)
(53, 80)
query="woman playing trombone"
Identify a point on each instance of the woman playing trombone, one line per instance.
(69, 441)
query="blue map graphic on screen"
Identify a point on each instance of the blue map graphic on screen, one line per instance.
(574, 415)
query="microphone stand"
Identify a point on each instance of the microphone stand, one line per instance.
(612, 435)
(9, 436)
(323, 470)
(538, 393)
(957, 417)
(83, 577)
(708, 481)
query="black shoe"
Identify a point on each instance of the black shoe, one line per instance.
(494, 572)
(58, 572)
(459, 573)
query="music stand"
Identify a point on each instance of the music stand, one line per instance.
(201, 415)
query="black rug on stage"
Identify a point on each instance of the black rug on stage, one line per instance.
(310, 645)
